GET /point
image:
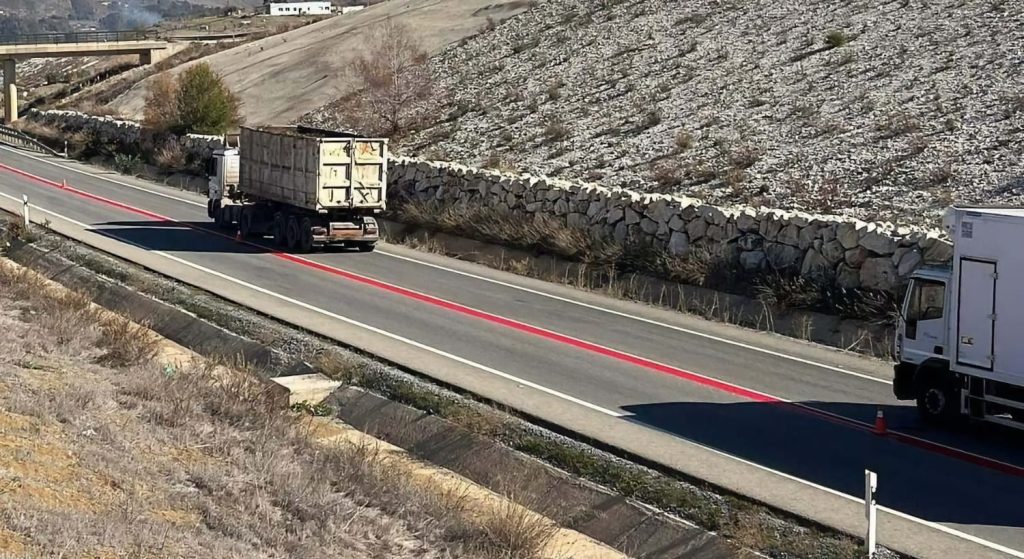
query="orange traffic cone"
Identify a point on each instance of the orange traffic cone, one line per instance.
(880, 426)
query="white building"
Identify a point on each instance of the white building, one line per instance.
(350, 9)
(299, 8)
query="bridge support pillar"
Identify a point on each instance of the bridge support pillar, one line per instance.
(152, 56)
(10, 90)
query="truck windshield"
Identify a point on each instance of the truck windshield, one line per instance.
(926, 300)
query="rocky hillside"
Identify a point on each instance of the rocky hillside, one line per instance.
(878, 108)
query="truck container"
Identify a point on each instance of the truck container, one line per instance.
(307, 188)
(960, 339)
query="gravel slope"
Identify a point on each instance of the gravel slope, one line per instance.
(879, 109)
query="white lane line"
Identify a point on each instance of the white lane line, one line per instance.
(639, 318)
(951, 531)
(347, 320)
(100, 177)
(529, 290)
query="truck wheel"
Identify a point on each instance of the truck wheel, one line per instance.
(366, 247)
(221, 217)
(212, 206)
(305, 243)
(279, 230)
(292, 233)
(937, 400)
(245, 222)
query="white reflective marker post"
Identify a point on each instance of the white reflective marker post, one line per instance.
(870, 510)
(24, 209)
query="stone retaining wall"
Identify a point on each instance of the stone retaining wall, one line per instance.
(121, 132)
(853, 253)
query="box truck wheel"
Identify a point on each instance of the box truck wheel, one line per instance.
(937, 398)
(291, 233)
(305, 243)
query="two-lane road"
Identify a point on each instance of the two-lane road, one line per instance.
(780, 420)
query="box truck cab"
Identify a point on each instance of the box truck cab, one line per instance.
(960, 338)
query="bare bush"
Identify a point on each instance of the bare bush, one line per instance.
(396, 81)
(126, 343)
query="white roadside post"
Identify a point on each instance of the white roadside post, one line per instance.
(870, 510)
(24, 209)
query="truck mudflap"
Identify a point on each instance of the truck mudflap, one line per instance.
(341, 232)
(903, 381)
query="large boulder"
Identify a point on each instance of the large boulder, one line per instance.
(783, 257)
(815, 265)
(753, 261)
(678, 244)
(879, 273)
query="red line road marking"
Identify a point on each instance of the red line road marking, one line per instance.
(702, 380)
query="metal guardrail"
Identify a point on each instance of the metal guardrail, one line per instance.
(79, 37)
(16, 138)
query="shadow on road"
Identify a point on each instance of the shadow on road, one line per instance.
(830, 453)
(187, 236)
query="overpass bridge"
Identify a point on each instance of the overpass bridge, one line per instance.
(14, 48)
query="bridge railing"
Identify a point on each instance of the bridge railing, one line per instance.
(16, 138)
(79, 37)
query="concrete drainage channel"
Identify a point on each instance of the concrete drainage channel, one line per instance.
(217, 329)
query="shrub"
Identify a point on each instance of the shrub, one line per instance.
(204, 103)
(836, 39)
(127, 164)
(684, 141)
(555, 130)
(161, 112)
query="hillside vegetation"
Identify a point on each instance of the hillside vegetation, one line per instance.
(280, 78)
(877, 108)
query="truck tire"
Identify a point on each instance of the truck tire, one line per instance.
(245, 222)
(212, 207)
(291, 234)
(305, 235)
(366, 247)
(279, 230)
(221, 217)
(937, 399)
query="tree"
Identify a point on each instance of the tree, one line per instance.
(204, 104)
(161, 112)
(396, 80)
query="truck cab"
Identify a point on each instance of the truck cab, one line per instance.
(223, 172)
(922, 340)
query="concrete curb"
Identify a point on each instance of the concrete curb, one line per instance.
(630, 527)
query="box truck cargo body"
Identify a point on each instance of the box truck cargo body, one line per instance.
(960, 341)
(305, 187)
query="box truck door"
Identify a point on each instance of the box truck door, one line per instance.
(977, 314)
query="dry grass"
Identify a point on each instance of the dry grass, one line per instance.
(106, 452)
(612, 265)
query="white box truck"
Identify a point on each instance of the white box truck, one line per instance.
(307, 188)
(960, 339)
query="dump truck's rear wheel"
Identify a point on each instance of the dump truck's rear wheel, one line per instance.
(245, 222)
(366, 247)
(280, 239)
(292, 233)
(305, 243)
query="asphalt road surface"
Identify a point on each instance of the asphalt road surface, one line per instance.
(777, 419)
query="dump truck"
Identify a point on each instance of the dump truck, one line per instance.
(960, 337)
(307, 188)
